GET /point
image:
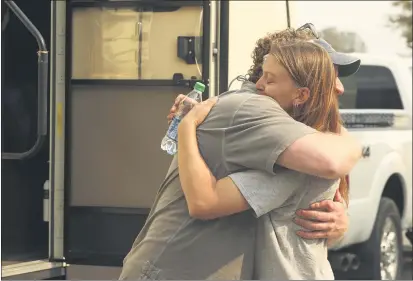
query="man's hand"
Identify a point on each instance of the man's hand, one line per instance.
(326, 219)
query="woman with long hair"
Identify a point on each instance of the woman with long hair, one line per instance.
(300, 77)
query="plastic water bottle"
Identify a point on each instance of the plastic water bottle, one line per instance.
(170, 140)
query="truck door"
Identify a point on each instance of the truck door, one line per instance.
(116, 70)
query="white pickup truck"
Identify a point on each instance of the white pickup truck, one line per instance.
(377, 109)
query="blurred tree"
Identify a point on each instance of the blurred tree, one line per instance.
(346, 42)
(404, 19)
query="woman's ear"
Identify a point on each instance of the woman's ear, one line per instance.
(302, 95)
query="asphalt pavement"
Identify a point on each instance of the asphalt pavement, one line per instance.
(408, 265)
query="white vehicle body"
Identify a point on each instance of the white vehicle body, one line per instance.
(377, 110)
(390, 156)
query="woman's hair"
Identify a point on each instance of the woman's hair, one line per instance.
(263, 47)
(310, 66)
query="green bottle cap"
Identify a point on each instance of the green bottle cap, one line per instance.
(199, 87)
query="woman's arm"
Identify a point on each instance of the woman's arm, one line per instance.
(206, 198)
(322, 154)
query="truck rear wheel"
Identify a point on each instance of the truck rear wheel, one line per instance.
(381, 256)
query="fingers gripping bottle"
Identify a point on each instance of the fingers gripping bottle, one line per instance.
(169, 142)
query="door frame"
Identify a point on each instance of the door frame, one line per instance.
(58, 90)
(215, 66)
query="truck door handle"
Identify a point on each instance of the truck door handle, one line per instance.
(365, 151)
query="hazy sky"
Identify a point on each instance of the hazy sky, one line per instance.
(367, 18)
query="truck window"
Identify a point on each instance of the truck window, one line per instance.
(372, 87)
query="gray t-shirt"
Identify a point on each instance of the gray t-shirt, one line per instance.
(243, 131)
(280, 253)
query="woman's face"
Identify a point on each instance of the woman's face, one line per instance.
(277, 83)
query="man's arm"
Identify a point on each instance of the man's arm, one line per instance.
(324, 219)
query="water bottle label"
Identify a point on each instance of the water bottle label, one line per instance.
(173, 129)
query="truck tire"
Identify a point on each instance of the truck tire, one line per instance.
(381, 257)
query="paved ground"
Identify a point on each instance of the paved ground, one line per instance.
(408, 266)
(86, 273)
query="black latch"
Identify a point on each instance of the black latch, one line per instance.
(186, 48)
(179, 80)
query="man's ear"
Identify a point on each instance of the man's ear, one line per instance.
(303, 95)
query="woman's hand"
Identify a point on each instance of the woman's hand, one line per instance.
(180, 98)
(175, 107)
(198, 113)
(326, 219)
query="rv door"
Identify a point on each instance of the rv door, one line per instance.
(114, 80)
